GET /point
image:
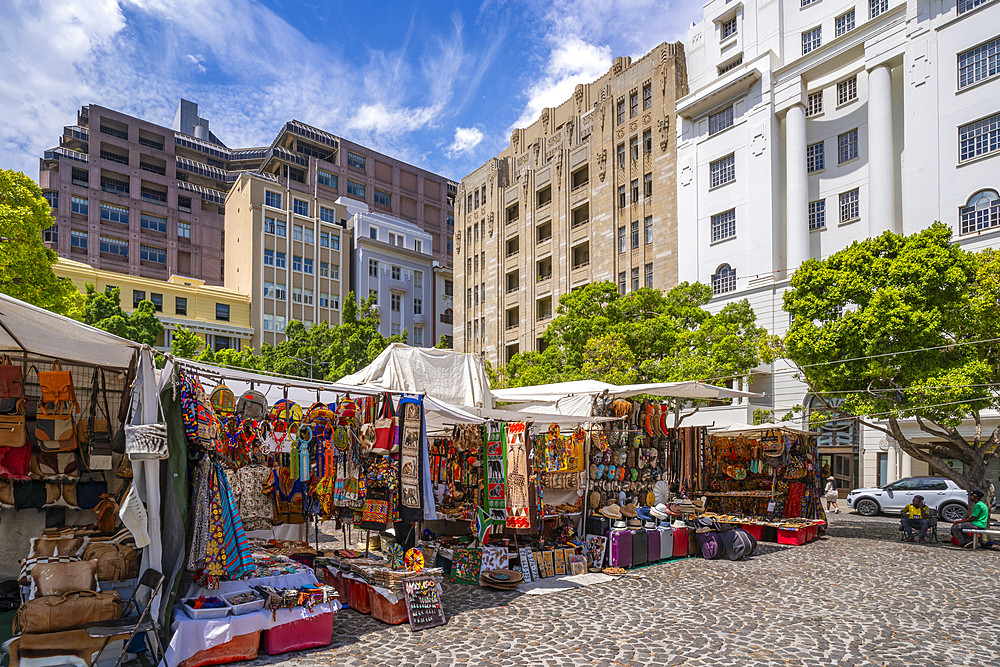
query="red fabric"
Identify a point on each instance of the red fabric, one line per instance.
(793, 506)
(14, 462)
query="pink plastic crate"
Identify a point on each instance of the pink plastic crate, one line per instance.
(791, 536)
(813, 533)
(310, 632)
(387, 612)
(359, 596)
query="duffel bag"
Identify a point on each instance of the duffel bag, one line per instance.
(739, 544)
(115, 562)
(55, 613)
(711, 545)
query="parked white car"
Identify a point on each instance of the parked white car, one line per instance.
(943, 495)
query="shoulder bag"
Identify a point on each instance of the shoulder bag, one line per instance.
(11, 387)
(67, 611)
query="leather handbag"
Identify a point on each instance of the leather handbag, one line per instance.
(55, 613)
(60, 495)
(55, 433)
(57, 390)
(97, 435)
(11, 387)
(146, 441)
(59, 578)
(53, 465)
(115, 562)
(12, 431)
(385, 429)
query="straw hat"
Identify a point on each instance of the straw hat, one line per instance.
(595, 499)
(659, 511)
(612, 511)
(629, 511)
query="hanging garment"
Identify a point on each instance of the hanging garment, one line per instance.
(518, 477)
(496, 478)
(287, 497)
(410, 469)
(255, 497)
(219, 548)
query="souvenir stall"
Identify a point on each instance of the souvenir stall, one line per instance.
(66, 483)
(766, 478)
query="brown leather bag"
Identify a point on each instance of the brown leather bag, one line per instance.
(57, 390)
(115, 562)
(11, 387)
(74, 609)
(59, 578)
(12, 431)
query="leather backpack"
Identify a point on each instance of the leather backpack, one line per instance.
(11, 387)
(54, 428)
(94, 434)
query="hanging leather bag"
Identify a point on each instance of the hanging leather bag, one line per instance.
(385, 428)
(11, 387)
(54, 428)
(12, 431)
(115, 562)
(55, 613)
(95, 434)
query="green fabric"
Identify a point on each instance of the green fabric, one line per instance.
(980, 515)
(174, 489)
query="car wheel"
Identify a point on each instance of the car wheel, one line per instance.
(951, 512)
(867, 507)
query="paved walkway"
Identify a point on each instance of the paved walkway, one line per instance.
(856, 597)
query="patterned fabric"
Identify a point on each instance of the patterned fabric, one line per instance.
(238, 559)
(411, 500)
(255, 497)
(287, 497)
(219, 548)
(496, 496)
(518, 481)
(793, 505)
(14, 462)
(466, 565)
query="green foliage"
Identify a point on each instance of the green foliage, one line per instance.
(644, 336)
(185, 343)
(103, 310)
(443, 343)
(897, 310)
(25, 263)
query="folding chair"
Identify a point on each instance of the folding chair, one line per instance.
(932, 526)
(152, 581)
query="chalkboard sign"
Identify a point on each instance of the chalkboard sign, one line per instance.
(423, 603)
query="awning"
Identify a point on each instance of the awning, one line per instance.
(758, 430)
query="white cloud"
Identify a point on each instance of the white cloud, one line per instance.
(571, 61)
(466, 138)
(196, 62)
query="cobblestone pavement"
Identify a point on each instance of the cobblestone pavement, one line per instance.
(859, 596)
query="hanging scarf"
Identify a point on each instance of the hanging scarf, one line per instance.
(517, 480)
(410, 470)
(495, 500)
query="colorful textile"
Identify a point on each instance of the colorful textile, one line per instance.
(518, 477)
(466, 564)
(483, 523)
(793, 505)
(411, 426)
(219, 548)
(287, 497)
(254, 497)
(495, 500)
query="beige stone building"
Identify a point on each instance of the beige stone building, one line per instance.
(586, 193)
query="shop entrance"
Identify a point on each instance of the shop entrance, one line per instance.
(841, 466)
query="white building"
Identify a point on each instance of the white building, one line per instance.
(394, 259)
(814, 123)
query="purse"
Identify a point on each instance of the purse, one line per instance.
(11, 387)
(385, 429)
(376, 511)
(59, 578)
(67, 611)
(12, 431)
(53, 465)
(97, 436)
(147, 441)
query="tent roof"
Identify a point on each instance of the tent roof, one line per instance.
(27, 328)
(451, 377)
(560, 390)
(761, 429)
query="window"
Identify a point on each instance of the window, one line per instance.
(279, 323)
(468, 298)
(114, 246)
(280, 292)
(724, 225)
(395, 330)
(647, 95)
(468, 265)
(847, 146)
(296, 232)
(728, 67)
(78, 239)
(324, 269)
(138, 296)
(153, 223)
(723, 171)
(450, 218)
(622, 196)
(268, 257)
(729, 28)
(180, 305)
(115, 214)
(279, 228)
(968, 5)
(815, 157)
(80, 205)
(334, 242)
(268, 289)
(981, 212)
(633, 104)
(272, 199)
(850, 205)
(814, 104)
(114, 157)
(308, 235)
(811, 40)
(307, 297)
(324, 299)
(979, 64)
(373, 268)
(307, 265)
(817, 214)
(649, 229)
(844, 23)
(635, 234)
(649, 275)
(183, 230)
(269, 225)
(635, 190)
(268, 322)
(806, 3)
(621, 110)
(396, 272)
(979, 138)
(356, 161)
(120, 187)
(418, 336)
(356, 189)
(878, 7)
(450, 245)
(418, 276)
(847, 90)
(635, 279)
(326, 178)
(622, 240)
(153, 254)
(647, 142)
(50, 234)
(296, 263)
(724, 280)
(383, 197)
(300, 207)
(222, 312)
(718, 122)
(157, 300)
(326, 215)
(80, 177)
(373, 233)
(279, 260)
(647, 186)
(52, 198)
(418, 245)
(418, 306)
(324, 239)
(621, 282)
(183, 203)
(634, 148)
(335, 302)
(621, 156)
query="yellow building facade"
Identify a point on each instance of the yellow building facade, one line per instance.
(220, 316)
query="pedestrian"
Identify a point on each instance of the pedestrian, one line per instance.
(978, 517)
(831, 495)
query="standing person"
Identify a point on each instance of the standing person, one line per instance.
(979, 517)
(916, 515)
(831, 495)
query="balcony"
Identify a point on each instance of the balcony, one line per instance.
(67, 154)
(206, 170)
(208, 194)
(311, 133)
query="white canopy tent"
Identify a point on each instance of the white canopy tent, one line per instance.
(759, 430)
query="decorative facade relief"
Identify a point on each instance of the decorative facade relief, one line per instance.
(602, 163)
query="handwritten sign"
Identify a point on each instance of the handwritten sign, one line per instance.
(423, 603)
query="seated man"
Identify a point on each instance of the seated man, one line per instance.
(915, 515)
(979, 517)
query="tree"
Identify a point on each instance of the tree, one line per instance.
(185, 343)
(904, 328)
(443, 343)
(25, 264)
(103, 310)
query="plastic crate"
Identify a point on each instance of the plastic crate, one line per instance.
(813, 533)
(237, 649)
(754, 529)
(387, 612)
(246, 607)
(311, 632)
(202, 614)
(359, 596)
(791, 536)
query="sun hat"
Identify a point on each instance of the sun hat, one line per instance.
(634, 523)
(649, 525)
(618, 524)
(644, 514)
(659, 511)
(612, 511)
(629, 511)
(832, 477)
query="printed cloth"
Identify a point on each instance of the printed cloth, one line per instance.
(466, 565)
(255, 497)
(793, 505)
(518, 477)
(219, 548)
(411, 498)
(495, 499)
(287, 497)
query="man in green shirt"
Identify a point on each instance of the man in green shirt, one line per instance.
(979, 517)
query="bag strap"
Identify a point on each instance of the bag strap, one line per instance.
(93, 407)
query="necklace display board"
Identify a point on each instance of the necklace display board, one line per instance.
(423, 603)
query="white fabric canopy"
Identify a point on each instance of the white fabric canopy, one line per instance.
(452, 377)
(757, 430)
(27, 328)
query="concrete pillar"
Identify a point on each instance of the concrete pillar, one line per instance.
(796, 189)
(891, 475)
(907, 466)
(881, 161)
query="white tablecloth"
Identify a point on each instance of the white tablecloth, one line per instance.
(190, 636)
(304, 578)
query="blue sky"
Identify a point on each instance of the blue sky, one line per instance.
(439, 84)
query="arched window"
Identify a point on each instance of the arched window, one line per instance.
(982, 212)
(447, 316)
(724, 280)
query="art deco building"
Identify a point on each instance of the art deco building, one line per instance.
(585, 193)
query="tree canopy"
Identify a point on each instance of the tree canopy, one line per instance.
(905, 327)
(104, 311)
(25, 263)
